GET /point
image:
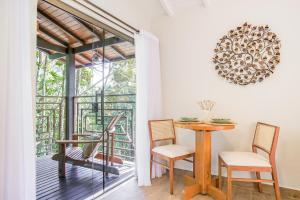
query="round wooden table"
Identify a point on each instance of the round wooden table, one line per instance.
(202, 183)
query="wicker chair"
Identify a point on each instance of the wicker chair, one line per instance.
(162, 130)
(265, 139)
(85, 156)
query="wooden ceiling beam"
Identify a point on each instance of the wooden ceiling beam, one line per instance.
(46, 51)
(85, 57)
(102, 56)
(53, 37)
(56, 56)
(43, 44)
(97, 45)
(58, 24)
(112, 60)
(119, 52)
(88, 47)
(89, 27)
(79, 61)
(120, 59)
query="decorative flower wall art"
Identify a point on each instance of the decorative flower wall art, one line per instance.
(247, 54)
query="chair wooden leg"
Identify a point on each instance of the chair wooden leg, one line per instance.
(219, 173)
(259, 186)
(151, 163)
(62, 162)
(275, 184)
(194, 164)
(171, 174)
(229, 184)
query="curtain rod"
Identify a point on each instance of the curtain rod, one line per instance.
(124, 28)
(109, 14)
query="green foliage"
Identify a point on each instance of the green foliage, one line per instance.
(50, 76)
(120, 79)
(85, 77)
(123, 78)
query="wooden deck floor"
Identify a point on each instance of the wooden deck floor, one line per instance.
(79, 183)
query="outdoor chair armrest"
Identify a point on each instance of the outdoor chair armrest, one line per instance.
(82, 135)
(76, 141)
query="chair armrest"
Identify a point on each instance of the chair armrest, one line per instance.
(76, 141)
(83, 134)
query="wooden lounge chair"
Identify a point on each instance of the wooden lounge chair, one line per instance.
(85, 157)
(111, 158)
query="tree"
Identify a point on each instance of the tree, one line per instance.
(120, 79)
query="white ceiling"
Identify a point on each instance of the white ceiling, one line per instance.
(173, 6)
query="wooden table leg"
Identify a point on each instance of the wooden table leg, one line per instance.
(202, 183)
(61, 162)
(216, 193)
(203, 160)
(190, 191)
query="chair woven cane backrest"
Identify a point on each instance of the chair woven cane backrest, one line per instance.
(264, 136)
(161, 130)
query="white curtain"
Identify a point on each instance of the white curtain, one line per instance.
(149, 101)
(17, 59)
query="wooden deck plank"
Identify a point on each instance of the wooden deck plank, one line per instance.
(79, 183)
(64, 188)
(56, 185)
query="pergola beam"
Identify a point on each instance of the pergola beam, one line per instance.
(79, 61)
(85, 57)
(87, 26)
(119, 52)
(119, 59)
(43, 44)
(97, 45)
(58, 40)
(56, 56)
(49, 18)
(111, 61)
(102, 56)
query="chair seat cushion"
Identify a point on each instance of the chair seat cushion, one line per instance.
(244, 159)
(172, 150)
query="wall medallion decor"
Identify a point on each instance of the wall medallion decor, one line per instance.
(247, 54)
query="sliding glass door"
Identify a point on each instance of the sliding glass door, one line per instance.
(85, 108)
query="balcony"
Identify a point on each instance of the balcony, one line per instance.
(81, 182)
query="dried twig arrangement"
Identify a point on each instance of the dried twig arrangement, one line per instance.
(247, 54)
(206, 105)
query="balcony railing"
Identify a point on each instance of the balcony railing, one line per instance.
(50, 111)
(51, 121)
(87, 119)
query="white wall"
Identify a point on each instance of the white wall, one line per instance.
(188, 75)
(137, 13)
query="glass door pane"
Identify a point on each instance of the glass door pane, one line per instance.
(85, 78)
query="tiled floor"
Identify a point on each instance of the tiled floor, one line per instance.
(160, 191)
